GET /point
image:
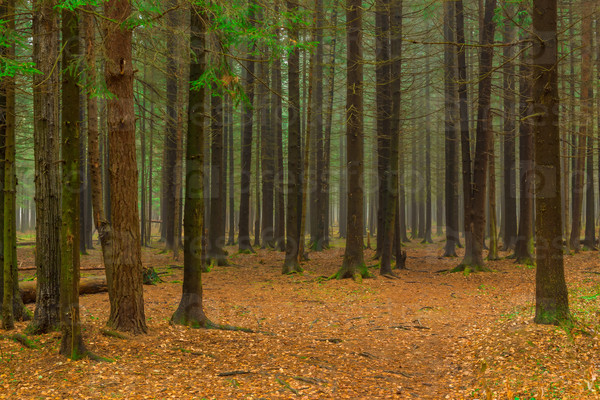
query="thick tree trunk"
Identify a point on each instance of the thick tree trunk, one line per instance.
(291, 263)
(46, 317)
(353, 265)
(552, 300)
(126, 293)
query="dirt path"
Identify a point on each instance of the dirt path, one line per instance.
(422, 336)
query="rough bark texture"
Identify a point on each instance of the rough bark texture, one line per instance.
(292, 263)
(552, 303)
(190, 311)
(47, 168)
(353, 265)
(126, 293)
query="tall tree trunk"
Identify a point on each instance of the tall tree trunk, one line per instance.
(231, 239)
(246, 156)
(268, 155)
(509, 211)
(493, 248)
(291, 263)
(474, 232)
(552, 300)
(46, 317)
(587, 126)
(126, 294)
(391, 231)
(216, 230)
(427, 217)
(343, 224)
(277, 119)
(523, 245)
(383, 115)
(353, 265)
(71, 344)
(190, 311)
(451, 138)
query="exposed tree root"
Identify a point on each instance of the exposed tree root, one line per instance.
(470, 268)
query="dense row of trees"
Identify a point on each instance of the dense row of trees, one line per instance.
(278, 121)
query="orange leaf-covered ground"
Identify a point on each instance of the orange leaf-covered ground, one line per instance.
(426, 335)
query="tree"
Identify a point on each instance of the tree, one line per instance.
(353, 265)
(246, 156)
(552, 304)
(125, 288)
(475, 213)
(47, 168)
(71, 344)
(291, 263)
(451, 188)
(190, 311)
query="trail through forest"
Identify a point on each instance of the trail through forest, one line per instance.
(426, 335)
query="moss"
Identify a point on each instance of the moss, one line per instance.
(467, 269)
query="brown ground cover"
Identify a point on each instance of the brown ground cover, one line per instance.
(426, 335)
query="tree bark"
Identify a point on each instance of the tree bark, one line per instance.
(46, 317)
(126, 293)
(292, 263)
(190, 311)
(353, 265)
(552, 301)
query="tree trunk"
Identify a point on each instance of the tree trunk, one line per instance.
(291, 263)
(231, 239)
(246, 156)
(475, 230)
(126, 293)
(71, 344)
(46, 317)
(383, 115)
(268, 156)
(552, 300)
(524, 243)
(451, 138)
(391, 231)
(277, 119)
(216, 230)
(190, 311)
(587, 126)
(427, 217)
(353, 265)
(509, 211)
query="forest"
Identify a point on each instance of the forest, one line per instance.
(313, 199)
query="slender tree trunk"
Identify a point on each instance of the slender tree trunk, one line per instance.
(277, 119)
(71, 344)
(509, 211)
(353, 265)
(474, 232)
(216, 230)
(246, 156)
(268, 157)
(231, 240)
(391, 231)
(523, 245)
(343, 188)
(126, 293)
(291, 263)
(190, 311)
(46, 317)
(552, 300)
(451, 152)
(493, 249)
(427, 217)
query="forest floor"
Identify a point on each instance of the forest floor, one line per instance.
(426, 335)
